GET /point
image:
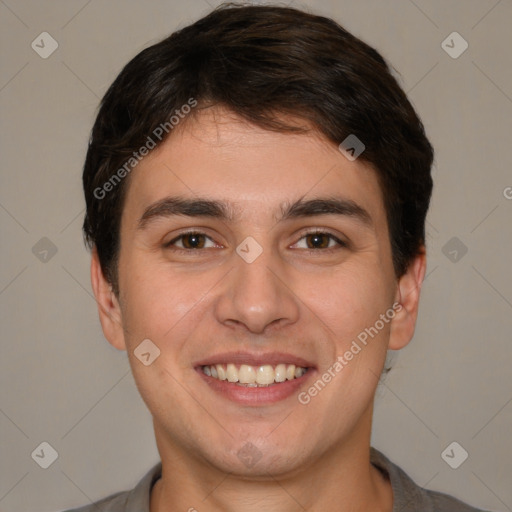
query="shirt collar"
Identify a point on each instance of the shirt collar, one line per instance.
(404, 489)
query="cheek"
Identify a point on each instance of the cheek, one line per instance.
(161, 304)
(351, 299)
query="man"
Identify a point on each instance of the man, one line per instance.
(256, 189)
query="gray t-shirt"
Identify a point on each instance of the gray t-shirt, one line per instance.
(407, 496)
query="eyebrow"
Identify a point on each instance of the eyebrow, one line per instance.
(201, 207)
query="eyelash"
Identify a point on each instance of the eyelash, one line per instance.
(341, 243)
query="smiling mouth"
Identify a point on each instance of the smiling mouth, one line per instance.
(254, 376)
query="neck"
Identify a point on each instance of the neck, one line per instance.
(342, 479)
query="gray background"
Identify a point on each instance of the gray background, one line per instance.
(62, 383)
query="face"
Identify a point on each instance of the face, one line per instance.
(260, 257)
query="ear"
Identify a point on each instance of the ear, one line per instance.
(408, 297)
(108, 305)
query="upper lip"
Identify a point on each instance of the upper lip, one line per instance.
(251, 359)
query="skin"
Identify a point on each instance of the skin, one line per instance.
(296, 297)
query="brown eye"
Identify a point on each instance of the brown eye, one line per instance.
(190, 241)
(193, 241)
(318, 240)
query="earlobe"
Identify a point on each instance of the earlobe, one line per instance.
(408, 296)
(108, 305)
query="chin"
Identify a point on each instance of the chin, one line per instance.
(258, 458)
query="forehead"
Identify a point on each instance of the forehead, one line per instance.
(220, 156)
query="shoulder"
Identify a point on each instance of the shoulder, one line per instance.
(445, 503)
(115, 502)
(410, 497)
(135, 500)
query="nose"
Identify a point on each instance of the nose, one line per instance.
(257, 296)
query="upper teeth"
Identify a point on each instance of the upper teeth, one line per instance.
(254, 375)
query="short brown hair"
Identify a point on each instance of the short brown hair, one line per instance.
(260, 62)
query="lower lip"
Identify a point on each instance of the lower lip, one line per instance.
(245, 395)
